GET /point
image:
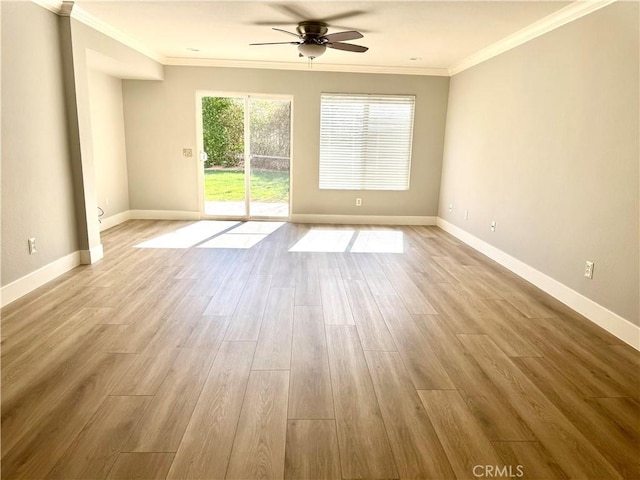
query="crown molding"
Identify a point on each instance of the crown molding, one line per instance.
(575, 10)
(101, 26)
(565, 15)
(317, 66)
(70, 9)
(51, 5)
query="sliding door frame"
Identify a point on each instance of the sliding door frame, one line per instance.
(200, 94)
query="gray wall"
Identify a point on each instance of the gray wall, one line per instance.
(160, 120)
(37, 191)
(544, 140)
(109, 150)
(48, 179)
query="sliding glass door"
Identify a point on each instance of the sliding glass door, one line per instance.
(245, 148)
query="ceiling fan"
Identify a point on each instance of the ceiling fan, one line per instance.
(313, 39)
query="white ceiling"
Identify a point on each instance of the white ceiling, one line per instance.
(438, 34)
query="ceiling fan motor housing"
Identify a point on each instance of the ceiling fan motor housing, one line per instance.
(312, 30)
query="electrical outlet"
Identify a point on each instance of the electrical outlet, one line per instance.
(32, 245)
(588, 270)
(106, 201)
(451, 207)
(466, 214)
(493, 225)
(358, 202)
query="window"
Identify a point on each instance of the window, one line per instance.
(365, 141)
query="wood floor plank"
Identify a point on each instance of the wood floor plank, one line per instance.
(165, 420)
(141, 466)
(56, 306)
(231, 288)
(415, 445)
(514, 292)
(206, 446)
(571, 450)
(335, 303)
(160, 296)
(587, 368)
(610, 439)
(534, 460)
(312, 450)
(362, 439)
(61, 346)
(208, 333)
(47, 433)
(462, 437)
(134, 338)
(406, 289)
(527, 305)
(498, 419)
(284, 271)
(624, 411)
(25, 406)
(504, 326)
(615, 375)
(146, 374)
(431, 272)
(462, 314)
(310, 388)
(259, 446)
(246, 321)
(95, 450)
(372, 330)
(307, 282)
(374, 276)
(19, 356)
(423, 365)
(208, 284)
(348, 266)
(273, 351)
(466, 281)
(178, 326)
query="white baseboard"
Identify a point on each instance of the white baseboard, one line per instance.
(87, 257)
(114, 220)
(363, 219)
(37, 278)
(601, 316)
(164, 215)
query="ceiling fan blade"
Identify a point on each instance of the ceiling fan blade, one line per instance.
(343, 15)
(296, 13)
(275, 43)
(348, 47)
(340, 36)
(285, 31)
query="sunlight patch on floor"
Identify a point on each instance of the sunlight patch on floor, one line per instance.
(245, 235)
(361, 241)
(263, 228)
(232, 240)
(378, 241)
(188, 236)
(324, 240)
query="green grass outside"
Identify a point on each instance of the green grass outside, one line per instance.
(228, 186)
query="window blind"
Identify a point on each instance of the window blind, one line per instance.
(365, 141)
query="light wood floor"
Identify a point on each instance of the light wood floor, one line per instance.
(207, 363)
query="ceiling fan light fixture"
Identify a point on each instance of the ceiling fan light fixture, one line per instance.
(311, 50)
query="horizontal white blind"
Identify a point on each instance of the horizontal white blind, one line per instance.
(365, 141)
